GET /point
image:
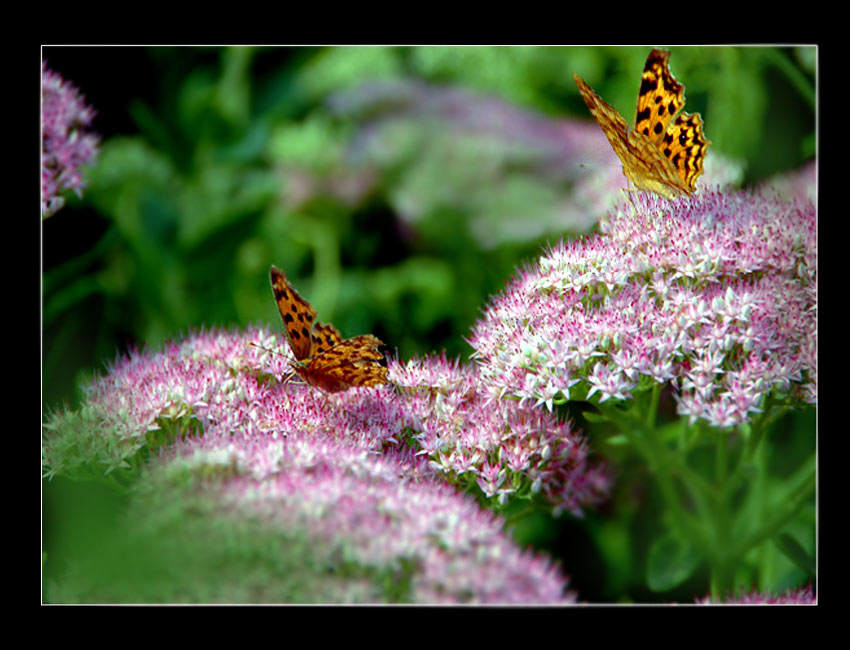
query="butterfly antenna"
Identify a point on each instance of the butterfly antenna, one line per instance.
(262, 347)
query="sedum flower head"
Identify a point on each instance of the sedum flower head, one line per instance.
(66, 142)
(503, 447)
(715, 294)
(364, 476)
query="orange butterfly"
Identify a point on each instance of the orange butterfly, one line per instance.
(657, 156)
(322, 358)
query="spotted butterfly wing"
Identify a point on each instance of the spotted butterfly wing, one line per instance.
(353, 362)
(298, 315)
(660, 100)
(325, 336)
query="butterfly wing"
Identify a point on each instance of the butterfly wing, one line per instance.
(659, 99)
(325, 336)
(643, 164)
(677, 136)
(298, 315)
(685, 147)
(651, 171)
(353, 362)
(613, 124)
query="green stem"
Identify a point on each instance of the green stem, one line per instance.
(705, 510)
(794, 75)
(652, 410)
(783, 512)
(664, 467)
(722, 570)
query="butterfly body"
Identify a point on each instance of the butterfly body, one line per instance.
(322, 357)
(664, 153)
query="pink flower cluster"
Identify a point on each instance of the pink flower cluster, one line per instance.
(66, 143)
(340, 467)
(502, 446)
(802, 596)
(716, 294)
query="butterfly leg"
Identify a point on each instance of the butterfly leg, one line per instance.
(285, 379)
(630, 193)
(294, 378)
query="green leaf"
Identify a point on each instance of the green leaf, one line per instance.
(671, 562)
(791, 548)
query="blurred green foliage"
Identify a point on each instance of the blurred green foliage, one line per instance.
(171, 544)
(387, 211)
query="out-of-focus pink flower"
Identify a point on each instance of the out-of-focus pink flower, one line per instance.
(515, 173)
(66, 142)
(798, 185)
(802, 596)
(383, 509)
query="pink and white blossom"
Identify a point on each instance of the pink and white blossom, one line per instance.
(713, 294)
